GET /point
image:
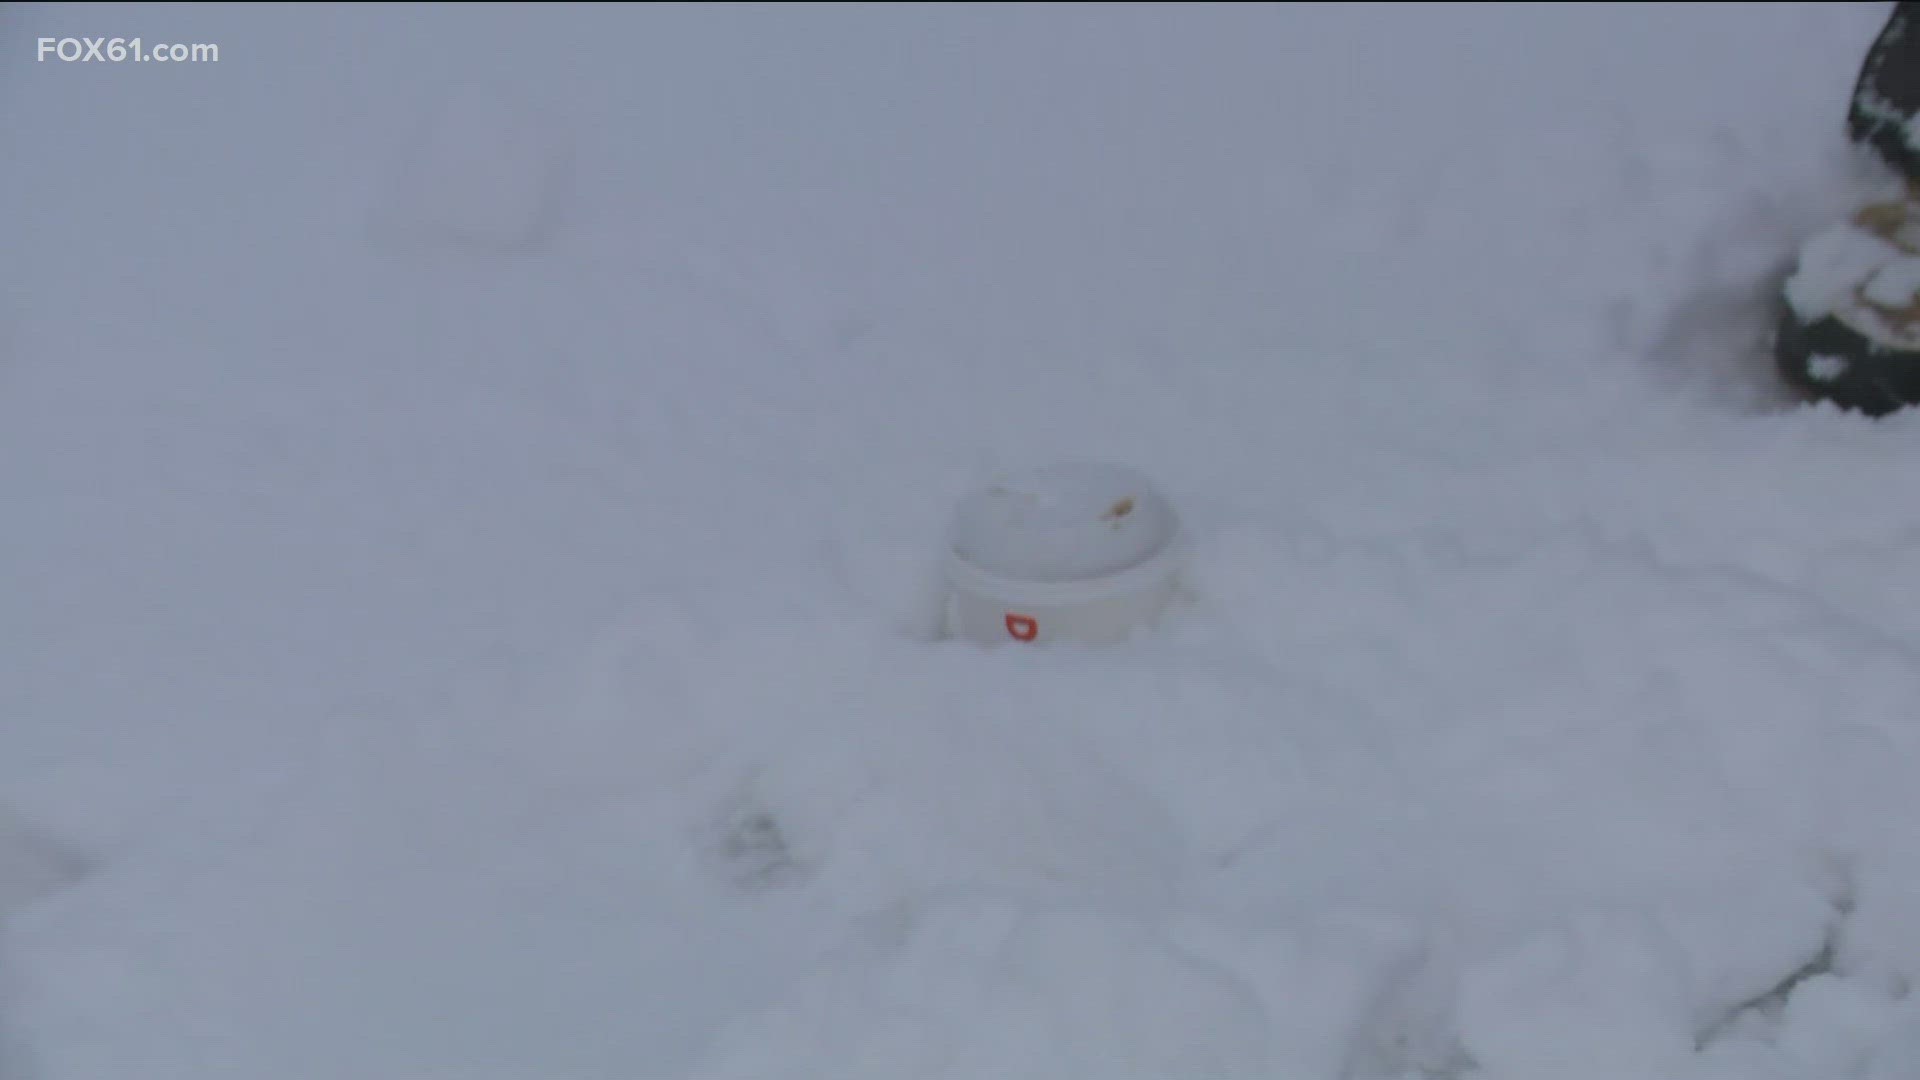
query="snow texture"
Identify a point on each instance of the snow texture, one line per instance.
(1063, 522)
(476, 477)
(1838, 262)
(484, 172)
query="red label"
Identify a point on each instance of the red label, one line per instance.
(1022, 627)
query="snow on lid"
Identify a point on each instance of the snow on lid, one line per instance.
(1060, 523)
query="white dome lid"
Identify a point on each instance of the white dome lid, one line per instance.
(1062, 523)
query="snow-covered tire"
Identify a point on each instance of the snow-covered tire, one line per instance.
(1833, 361)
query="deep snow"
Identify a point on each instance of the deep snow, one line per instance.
(474, 475)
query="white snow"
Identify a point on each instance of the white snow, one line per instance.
(1848, 269)
(1828, 368)
(1835, 263)
(1064, 521)
(485, 170)
(1896, 284)
(475, 477)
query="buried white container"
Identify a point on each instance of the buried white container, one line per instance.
(1082, 553)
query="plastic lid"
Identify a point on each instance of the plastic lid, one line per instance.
(1063, 523)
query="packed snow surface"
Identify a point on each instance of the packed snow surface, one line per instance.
(476, 478)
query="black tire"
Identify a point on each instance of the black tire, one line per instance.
(1827, 358)
(1886, 94)
(1873, 378)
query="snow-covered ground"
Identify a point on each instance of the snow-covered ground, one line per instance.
(472, 474)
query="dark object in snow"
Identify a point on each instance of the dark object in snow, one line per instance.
(1862, 353)
(1830, 359)
(750, 849)
(1886, 96)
